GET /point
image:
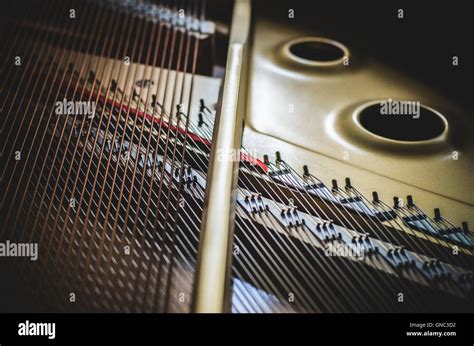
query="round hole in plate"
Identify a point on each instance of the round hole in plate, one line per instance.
(423, 125)
(317, 51)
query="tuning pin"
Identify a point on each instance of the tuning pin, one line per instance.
(200, 119)
(465, 226)
(375, 197)
(202, 105)
(277, 157)
(396, 202)
(179, 108)
(305, 171)
(265, 160)
(91, 76)
(437, 214)
(410, 201)
(348, 183)
(334, 185)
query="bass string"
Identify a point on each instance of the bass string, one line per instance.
(50, 118)
(154, 165)
(49, 213)
(192, 140)
(60, 169)
(124, 24)
(44, 162)
(83, 229)
(194, 215)
(33, 229)
(114, 226)
(109, 159)
(170, 272)
(26, 51)
(172, 159)
(165, 208)
(62, 164)
(94, 229)
(62, 160)
(167, 136)
(18, 47)
(141, 132)
(95, 140)
(16, 116)
(140, 142)
(16, 105)
(55, 220)
(34, 160)
(147, 150)
(178, 62)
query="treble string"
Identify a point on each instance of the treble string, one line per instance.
(237, 206)
(370, 224)
(195, 131)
